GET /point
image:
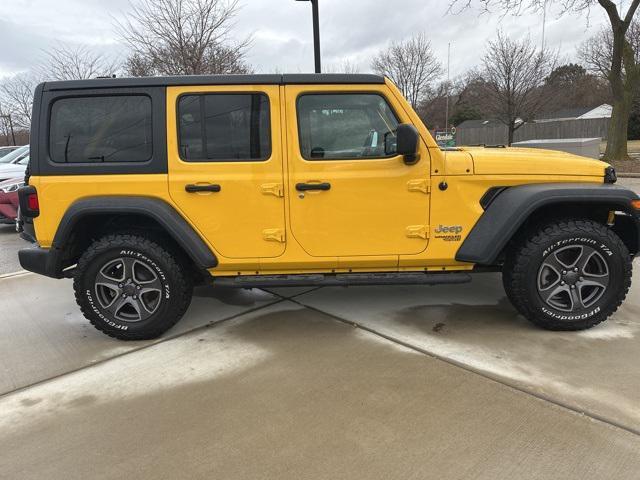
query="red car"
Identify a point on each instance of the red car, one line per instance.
(9, 200)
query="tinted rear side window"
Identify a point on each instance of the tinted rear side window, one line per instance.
(101, 129)
(224, 127)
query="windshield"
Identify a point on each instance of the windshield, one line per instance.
(16, 154)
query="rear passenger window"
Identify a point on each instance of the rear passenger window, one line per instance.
(345, 126)
(104, 129)
(224, 127)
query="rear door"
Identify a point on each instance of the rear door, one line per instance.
(225, 166)
(348, 197)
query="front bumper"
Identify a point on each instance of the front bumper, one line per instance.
(43, 261)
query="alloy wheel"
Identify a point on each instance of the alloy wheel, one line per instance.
(573, 278)
(128, 289)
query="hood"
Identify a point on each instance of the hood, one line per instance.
(532, 161)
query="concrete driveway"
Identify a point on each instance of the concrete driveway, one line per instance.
(10, 243)
(368, 382)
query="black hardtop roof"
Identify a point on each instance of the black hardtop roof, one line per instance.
(258, 79)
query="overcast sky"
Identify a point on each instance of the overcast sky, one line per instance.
(351, 30)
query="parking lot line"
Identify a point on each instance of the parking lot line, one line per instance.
(15, 274)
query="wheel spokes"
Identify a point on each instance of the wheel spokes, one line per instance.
(573, 278)
(586, 254)
(128, 266)
(602, 282)
(128, 289)
(576, 298)
(553, 262)
(115, 307)
(549, 294)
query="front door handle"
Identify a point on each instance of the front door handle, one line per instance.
(305, 187)
(192, 188)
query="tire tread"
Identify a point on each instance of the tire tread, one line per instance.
(519, 258)
(115, 241)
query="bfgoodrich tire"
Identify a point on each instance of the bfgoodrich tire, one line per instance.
(569, 275)
(131, 288)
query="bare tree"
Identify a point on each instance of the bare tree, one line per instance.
(597, 52)
(345, 66)
(412, 66)
(597, 55)
(5, 131)
(16, 96)
(624, 69)
(465, 102)
(512, 81)
(182, 37)
(61, 62)
(572, 86)
(64, 62)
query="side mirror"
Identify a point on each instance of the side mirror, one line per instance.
(407, 143)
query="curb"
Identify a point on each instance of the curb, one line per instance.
(628, 175)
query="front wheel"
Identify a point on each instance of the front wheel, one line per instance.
(130, 287)
(569, 275)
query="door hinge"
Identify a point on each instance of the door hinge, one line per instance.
(419, 185)
(418, 231)
(272, 189)
(274, 235)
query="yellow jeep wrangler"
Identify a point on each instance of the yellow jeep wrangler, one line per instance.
(140, 188)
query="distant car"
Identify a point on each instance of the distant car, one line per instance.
(9, 200)
(11, 154)
(6, 150)
(14, 164)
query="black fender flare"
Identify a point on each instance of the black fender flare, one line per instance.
(164, 214)
(511, 207)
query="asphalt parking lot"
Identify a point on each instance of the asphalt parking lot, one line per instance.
(10, 243)
(360, 382)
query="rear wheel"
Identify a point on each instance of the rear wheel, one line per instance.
(569, 275)
(131, 288)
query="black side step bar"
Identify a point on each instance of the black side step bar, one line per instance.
(342, 279)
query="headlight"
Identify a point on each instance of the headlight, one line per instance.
(12, 187)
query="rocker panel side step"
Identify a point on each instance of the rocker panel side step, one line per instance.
(342, 279)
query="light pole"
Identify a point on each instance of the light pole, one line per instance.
(316, 33)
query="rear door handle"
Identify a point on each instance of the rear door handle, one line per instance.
(305, 187)
(192, 188)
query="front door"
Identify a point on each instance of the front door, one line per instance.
(225, 166)
(348, 197)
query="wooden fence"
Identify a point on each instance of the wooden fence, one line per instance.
(498, 135)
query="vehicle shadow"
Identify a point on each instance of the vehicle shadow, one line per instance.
(230, 296)
(443, 319)
(7, 230)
